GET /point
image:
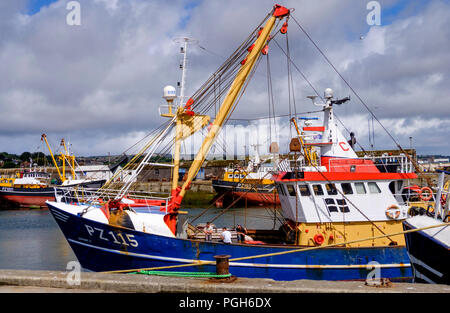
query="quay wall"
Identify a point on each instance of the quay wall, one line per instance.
(132, 283)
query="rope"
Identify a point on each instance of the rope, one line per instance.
(282, 252)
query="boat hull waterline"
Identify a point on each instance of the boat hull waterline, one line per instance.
(103, 247)
(37, 196)
(254, 194)
(25, 196)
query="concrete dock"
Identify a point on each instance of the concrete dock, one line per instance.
(13, 281)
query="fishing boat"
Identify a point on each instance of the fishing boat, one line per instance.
(252, 185)
(26, 188)
(32, 188)
(28, 191)
(429, 249)
(341, 218)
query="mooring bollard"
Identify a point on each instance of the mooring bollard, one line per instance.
(222, 267)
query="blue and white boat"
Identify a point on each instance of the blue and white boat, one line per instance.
(343, 220)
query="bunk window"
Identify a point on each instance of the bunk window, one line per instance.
(291, 190)
(331, 189)
(318, 191)
(347, 188)
(373, 187)
(360, 188)
(304, 190)
(331, 205)
(342, 205)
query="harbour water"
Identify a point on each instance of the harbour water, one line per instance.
(30, 239)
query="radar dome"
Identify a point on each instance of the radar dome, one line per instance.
(328, 93)
(169, 93)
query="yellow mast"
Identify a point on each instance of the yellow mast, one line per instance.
(176, 154)
(235, 89)
(70, 159)
(44, 137)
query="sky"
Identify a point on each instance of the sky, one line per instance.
(99, 84)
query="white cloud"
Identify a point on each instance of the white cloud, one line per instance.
(104, 79)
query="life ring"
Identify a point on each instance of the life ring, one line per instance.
(319, 239)
(426, 190)
(393, 212)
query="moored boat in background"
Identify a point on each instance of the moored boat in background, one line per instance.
(253, 185)
(33, 188)
(429, 249)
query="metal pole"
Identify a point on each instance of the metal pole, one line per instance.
(183, 72)
(437, 202)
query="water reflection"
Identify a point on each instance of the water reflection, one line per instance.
(31, 239)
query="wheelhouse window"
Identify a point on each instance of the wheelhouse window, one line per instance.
(304, 190)
(342, 205)
(360, 188)
(331, 189)
(347, 188)
(318, 191)
(291, 190)
(373, 187)
(331, 205)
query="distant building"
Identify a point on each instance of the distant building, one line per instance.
(94, 172)
(125, 175)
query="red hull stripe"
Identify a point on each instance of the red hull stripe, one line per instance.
(28, 200)
(258, 197)
(314, 128)
(345, 165)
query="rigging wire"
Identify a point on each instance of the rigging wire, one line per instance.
(314, 89)
(347, 83)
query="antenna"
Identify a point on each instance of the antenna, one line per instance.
(185, 41)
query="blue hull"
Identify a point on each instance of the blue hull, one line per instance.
(101, 247)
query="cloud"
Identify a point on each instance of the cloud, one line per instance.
(101, 83)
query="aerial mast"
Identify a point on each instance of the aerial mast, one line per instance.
(186, 122)
(185, 41)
